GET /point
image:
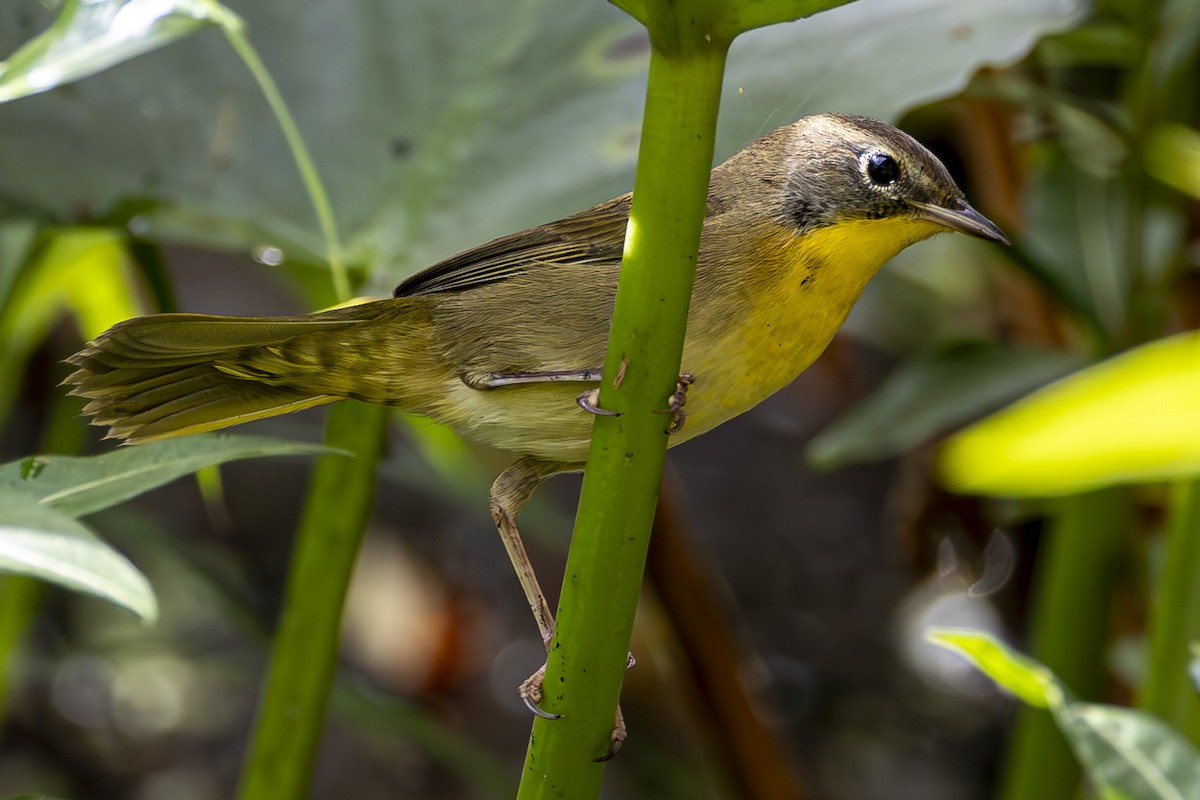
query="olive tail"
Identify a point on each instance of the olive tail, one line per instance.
(167, 375)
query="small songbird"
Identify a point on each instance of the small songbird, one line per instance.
(500, 341)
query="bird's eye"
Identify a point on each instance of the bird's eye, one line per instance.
(882, 169)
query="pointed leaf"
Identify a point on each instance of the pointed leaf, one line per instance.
(41, 541)
(1021, 676)
(1131, 418)
(77, 486)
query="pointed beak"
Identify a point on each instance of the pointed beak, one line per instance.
(961, 218)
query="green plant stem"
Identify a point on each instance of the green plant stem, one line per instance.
(235, 32)
(1168, 690)
(304, 655)
(587, 657)
(1070, 624)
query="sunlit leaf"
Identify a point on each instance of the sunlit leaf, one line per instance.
(1021, 676)
(932, 394)
(1132, 418)
(454, 122)
(77, 486)
(1173, 156)
(46, 543)
(81, 270)
(91, 36)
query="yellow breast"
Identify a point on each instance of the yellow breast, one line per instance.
(770, 319)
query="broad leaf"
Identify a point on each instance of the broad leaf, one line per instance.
(452, 122)
(38, 540)
(933, 394)
(1131, 418)
(77, 486)
(95, 35)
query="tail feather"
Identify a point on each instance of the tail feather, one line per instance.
(167, 375)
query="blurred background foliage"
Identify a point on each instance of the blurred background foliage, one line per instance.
(801, 549)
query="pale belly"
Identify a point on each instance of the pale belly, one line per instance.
(734, 372)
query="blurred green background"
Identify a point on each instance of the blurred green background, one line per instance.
(802, 548)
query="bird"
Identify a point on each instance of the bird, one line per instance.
(505, 341)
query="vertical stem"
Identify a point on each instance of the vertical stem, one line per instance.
(305, 651)
(587, 658)
(1071, 596)
(1168, 690)
(20, 602)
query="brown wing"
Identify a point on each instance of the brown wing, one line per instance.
(591, 237)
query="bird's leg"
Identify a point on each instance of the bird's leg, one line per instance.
(509, 493)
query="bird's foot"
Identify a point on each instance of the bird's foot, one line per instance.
(531, 692)
(676, 402)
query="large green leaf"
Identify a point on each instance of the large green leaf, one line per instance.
(437, 125)
(1127, 754)
(932, 394)
(1131, 418)
(77, 486)
(93, 36)
(42, 541)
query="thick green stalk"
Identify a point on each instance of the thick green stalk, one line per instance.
(1070, 613)
(1168, 690)
(305, 652)
(612, 530)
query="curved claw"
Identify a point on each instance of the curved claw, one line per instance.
(537, 710)
(589, 401)
(614, 747)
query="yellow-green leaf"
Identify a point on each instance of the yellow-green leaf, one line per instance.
(1133, 418)
(1021, 676)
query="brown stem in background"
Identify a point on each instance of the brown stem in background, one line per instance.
(693, 596)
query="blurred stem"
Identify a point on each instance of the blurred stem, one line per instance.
(587, 658)
(149, 259)
(304, 163)
(1070, 623)
(1144, 311)
(20, 601)
(305, 652)
(1168, 690)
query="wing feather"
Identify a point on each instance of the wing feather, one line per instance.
(595, 236)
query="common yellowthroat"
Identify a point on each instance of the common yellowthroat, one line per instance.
(500, 340)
